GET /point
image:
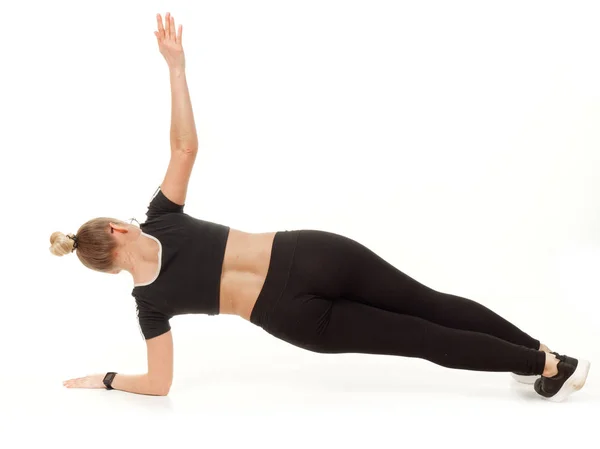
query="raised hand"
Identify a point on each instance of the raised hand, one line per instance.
(169, 42)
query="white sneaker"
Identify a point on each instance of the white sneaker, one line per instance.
(571, 377)
(525, 378)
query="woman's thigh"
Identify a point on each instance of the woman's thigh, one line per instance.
(339, 325)
(299, 319)
(334, 266)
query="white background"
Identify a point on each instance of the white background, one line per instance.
(459, 140)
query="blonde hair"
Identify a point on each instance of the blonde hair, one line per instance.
(95, 244)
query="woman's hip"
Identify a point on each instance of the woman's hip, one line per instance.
(278, 273)
(308, 269)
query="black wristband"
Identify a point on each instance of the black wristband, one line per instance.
(108, 380)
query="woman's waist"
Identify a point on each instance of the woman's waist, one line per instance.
(247, 253)
(254, 261)
(239, 292)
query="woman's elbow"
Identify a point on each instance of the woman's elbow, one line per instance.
(164, 392)
(165, 388)
(159, 388)
(161, 391)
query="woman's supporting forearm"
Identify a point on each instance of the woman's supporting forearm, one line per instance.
(183, 128)
(137, 383)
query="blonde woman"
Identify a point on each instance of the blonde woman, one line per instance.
(314, 289)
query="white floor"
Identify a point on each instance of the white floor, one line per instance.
(258, 391)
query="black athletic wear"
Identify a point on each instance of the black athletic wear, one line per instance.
(327, 293)
(330, 294)
(190, 264)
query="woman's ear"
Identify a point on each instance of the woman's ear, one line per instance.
(116, 227)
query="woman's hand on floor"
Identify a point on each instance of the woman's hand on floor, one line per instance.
(91, 381)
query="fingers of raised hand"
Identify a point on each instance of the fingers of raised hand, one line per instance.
(168, 31)
(168, 26)
(161, 30)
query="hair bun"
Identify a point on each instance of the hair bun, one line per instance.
(61, 244)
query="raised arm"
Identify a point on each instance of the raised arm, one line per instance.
(183, 136)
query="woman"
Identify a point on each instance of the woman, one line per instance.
(317, 290)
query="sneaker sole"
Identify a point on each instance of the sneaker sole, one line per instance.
(573, 383)
(529, 380)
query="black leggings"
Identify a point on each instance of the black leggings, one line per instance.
(328, 293)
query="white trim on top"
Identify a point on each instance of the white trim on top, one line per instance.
(159, 260)
(155, 193)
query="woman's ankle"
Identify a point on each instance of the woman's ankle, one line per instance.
(544, 348)
(551, 367)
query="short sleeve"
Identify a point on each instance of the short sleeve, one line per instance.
(152, 323)
(160, 204)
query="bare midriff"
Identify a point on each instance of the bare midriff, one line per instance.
(245, 267)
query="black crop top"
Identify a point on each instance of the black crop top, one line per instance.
(191, 253)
